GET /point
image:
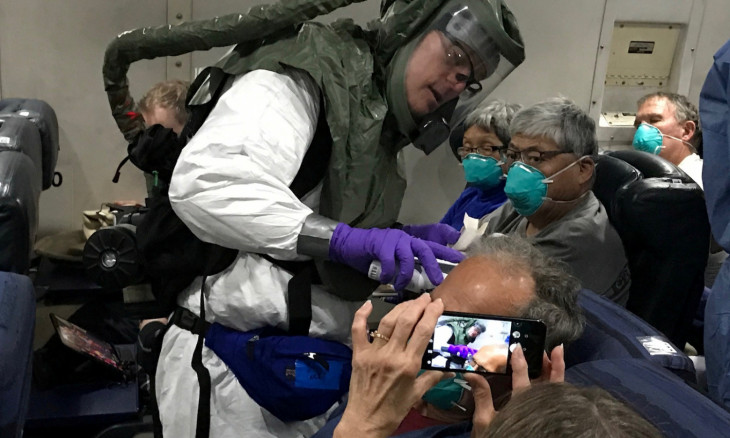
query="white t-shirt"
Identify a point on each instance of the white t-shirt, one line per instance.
(692, 166)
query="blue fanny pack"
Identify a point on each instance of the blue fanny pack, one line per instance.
(293, 377)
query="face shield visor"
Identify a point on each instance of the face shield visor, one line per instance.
(481, 45)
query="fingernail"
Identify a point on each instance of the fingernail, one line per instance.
(365, 303)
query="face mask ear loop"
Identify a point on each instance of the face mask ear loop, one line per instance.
(691, 146)
(549, 180)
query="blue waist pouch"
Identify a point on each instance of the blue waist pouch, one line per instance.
(293, 377)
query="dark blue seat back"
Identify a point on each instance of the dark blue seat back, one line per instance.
(18, 209)
(674, 407)
(663, 225)
(612, 332)
(17, 321)
(39, 113)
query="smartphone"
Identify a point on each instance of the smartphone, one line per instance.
(89, 345)
(460, 340)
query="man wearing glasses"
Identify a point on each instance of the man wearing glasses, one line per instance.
(551, 173)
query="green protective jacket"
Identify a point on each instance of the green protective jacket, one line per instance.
(362, 186)
(459, 327)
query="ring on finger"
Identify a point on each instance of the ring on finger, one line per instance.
(376, 334)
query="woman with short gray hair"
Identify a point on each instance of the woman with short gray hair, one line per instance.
(486, 137)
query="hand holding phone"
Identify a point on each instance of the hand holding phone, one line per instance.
(553, 370)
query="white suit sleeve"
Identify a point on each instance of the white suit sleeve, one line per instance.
(231, 182)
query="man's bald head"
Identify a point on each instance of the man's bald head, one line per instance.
(507, 276)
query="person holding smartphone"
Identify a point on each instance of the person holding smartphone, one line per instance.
(387, 386)
(503, 276)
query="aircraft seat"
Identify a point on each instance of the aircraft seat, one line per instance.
(40, 114)
(612, 332)
(17, 323)
(661, 219)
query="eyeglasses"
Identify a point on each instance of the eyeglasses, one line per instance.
(532, 157)
(481, 150)
(458, 59)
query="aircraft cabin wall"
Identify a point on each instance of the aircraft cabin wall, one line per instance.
(53, 50)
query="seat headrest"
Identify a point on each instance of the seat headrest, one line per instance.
(612, 174)
(650, 166)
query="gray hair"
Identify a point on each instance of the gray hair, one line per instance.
(560, 120)
(561, 409)
(556, 291)
(684, 111)
(495, 117)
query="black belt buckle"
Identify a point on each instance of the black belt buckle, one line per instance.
(188, 319)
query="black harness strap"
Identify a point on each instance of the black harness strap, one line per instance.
(202, 427)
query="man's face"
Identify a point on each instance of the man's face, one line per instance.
(436, 73)
(472, 333)
(544, 155)
(660, 112)
(159, 115)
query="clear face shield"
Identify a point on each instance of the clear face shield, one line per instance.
(482, 45)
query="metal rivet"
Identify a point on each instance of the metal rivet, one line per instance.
(178, 63)
(179, 16)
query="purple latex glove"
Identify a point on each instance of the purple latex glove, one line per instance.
(442, 234)
(460, 350)
(358, 247)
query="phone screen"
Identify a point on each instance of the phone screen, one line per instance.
(85, 343)
(483, 343)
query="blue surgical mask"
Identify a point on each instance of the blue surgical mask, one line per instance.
(482, 172)
(526, 187)
(445, 394)
(648, 138)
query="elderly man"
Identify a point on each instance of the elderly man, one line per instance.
(501, 276)
(551, 203)
(668, 125)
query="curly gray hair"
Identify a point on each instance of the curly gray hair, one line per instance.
(556, 291)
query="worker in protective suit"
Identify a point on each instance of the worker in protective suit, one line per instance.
(715, 119)
(409, 77)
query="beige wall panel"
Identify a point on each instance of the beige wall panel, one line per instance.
(54, 50)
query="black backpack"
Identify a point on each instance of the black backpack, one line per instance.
(171, 255)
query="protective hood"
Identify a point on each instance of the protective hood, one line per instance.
(484, 31)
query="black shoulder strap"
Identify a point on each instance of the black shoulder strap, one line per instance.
(215, 79)
(311, 172)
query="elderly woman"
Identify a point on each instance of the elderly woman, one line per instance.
(486, 137)
(551, 173)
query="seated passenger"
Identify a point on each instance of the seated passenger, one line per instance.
(672, 131)
(560, 409)
(485, 139)
(551, 203)
(164, 104)
(500, 276)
